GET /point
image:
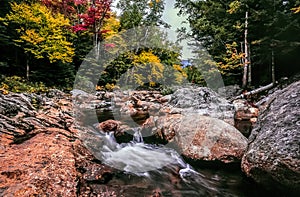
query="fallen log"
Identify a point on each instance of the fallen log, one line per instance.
(256, 91)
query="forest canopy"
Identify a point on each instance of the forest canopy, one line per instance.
(47, 40)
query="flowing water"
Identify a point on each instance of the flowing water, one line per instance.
(147, 167)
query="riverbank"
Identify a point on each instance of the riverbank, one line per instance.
(46, 150)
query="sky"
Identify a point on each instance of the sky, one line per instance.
(170, 17)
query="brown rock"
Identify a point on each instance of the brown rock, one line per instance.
(40, 153)
(43, 164)
(245, 116)
(210, 139)
(109, 125)
(169, 125)
(203, 138)
(164, 99)
(149, 123)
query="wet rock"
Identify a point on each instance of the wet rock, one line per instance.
(273, 154)
(189, 114)
(136, 106)
(109, 125)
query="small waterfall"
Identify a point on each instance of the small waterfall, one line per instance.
(137, 136)
(137, 157)
(156, 166)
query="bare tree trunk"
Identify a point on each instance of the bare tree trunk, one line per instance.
(246, 53)
(242, 50)
(97, 28)
(273, 67)
(249, 66)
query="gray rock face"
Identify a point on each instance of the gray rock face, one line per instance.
(273, 155)
(202, 101)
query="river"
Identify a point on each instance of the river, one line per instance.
(144, 168)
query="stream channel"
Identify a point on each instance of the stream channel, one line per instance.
(145, 168)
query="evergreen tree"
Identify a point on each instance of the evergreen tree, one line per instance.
(273, 29)
(141, 13)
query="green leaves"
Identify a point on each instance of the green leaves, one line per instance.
(141, 13)
(272, 25)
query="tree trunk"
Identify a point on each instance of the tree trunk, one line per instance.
(249, 67)
(27, 68)
(273, 67)
(246, 61)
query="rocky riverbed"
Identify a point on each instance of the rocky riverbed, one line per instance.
(51, 144)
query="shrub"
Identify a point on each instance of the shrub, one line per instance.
(19, 84)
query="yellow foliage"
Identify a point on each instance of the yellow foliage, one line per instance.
(232, 59)
(18, 84)
(139, 79)
(4, 89)
(110, 87)
(234, 6)
(146, 57)
(180, 74)
(296, 10)
(147, 68)
(177, 67)
(151, 2)
(41, 33)
(110, 27)
(152, 84)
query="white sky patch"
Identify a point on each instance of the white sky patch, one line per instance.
(170, 16)
(114, 7)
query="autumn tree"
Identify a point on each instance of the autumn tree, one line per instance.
(92, 14)
(40, 34)
(141, 60)
(273, 37)
(88, 18)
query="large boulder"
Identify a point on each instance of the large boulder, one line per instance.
(202, 101)
(273, 154)
(203, 138)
